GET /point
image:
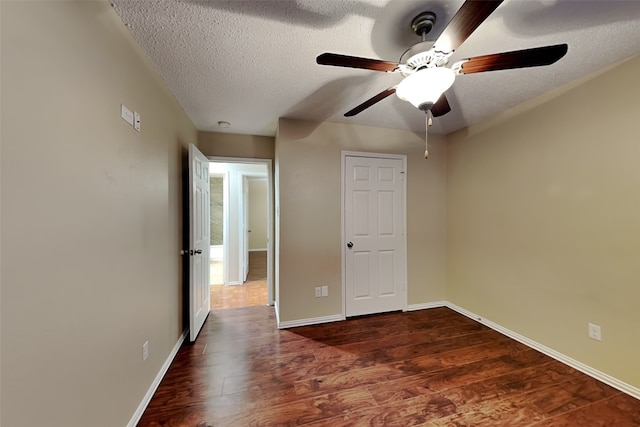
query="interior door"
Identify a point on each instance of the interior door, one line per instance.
(245, 228)
(375, 246)
(199, 241)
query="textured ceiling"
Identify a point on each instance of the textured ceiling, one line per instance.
(251, 62)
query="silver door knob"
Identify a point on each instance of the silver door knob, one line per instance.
(350, 245)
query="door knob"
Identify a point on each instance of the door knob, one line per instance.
(350, 245)
(196, 252)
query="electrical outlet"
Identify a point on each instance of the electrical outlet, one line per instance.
(325, 291)
(145, 351)
(595, 332)
(318, 291)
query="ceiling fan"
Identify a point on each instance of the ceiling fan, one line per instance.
(424, 64)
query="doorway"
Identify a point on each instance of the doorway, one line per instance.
(241, 226)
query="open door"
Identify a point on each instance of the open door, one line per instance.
(244, 228)
(199, 241)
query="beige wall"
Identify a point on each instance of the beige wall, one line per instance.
(258, 209)
(215, 144)
(91, 217)
(544, 222)
(308, 158)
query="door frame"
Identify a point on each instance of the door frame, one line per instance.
(343, 253)
(245, 206)
(270, 217)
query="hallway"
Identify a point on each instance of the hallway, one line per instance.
(251, 293)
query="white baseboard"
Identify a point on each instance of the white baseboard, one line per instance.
(156, 382)
(234, 283)
(275, 307)
(601, 376)
(310, 321)
(424, 306)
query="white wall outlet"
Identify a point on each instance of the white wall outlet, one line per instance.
(595, 332)
(318, 291)
(136, 121)
(325, 291)
(126, 114)
(145, 351)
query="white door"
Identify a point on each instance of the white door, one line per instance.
(375, 244)
(199, 241)
(244, 212)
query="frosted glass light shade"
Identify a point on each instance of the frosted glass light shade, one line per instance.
(423, 88)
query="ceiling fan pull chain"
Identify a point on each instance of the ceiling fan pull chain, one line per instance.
(428, 123)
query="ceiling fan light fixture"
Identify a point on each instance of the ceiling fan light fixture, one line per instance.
(423, 88)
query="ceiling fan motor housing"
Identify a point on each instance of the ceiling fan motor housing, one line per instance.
(420, 60)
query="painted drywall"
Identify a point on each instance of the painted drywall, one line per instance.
(258, 207)
(543, 216)
(215, 144)
(308, 207)
(91, 217)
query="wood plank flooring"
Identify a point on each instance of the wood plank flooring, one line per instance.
(257, 266)
(430, 367)
(251, 293)
(233, 296)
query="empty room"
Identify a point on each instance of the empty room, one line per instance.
(452, 228)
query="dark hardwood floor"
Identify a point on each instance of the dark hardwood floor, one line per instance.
(430, 367)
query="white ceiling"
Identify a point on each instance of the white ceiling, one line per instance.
(251, 62)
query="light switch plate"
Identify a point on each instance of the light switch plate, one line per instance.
(126, 114)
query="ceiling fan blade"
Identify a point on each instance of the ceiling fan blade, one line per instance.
(369, 102)
(465, 21)
(535, 57)
(356, 62)
(441, 107)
